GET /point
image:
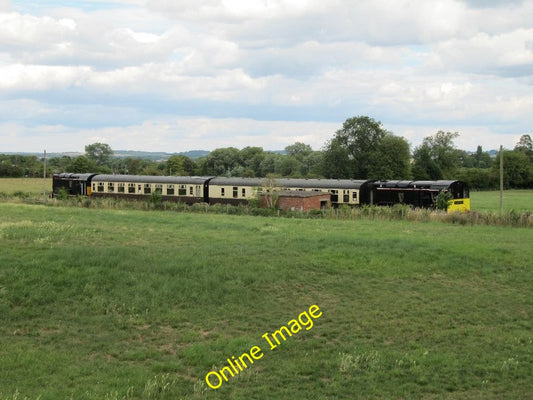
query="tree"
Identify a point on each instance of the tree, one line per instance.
(59, 164)
(352, 149)
(271, 164)
(82, 164)
(313, 163)
(525, 145)
(179, 166)
(336, 161)
(517, 169)
(424, 167)
(134, 166)
(251, 159)
(100, 153)
(482, 158)
(437, 157)
(269, 191)
(290, 166)
(299, 150)
(391, 159)
(222, 161)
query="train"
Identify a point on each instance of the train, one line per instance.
(236, 190)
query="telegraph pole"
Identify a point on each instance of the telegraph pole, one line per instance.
(44, 177)
(501, 180)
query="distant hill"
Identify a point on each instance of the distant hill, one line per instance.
(158, 156)
(149, 155)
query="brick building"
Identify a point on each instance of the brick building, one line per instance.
(289, 200)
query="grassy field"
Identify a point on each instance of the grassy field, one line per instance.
(111, 304)
(33, 186)
(518, 200)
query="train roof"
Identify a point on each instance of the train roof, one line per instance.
(322, 183)
(236, 181)
(291, 182)
(442, 184)
(195, 180)
(72, 175)
(435, 185)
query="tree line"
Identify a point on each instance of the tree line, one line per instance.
(361, 149)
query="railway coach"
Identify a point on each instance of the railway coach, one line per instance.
(186, 189)
(421, 194)
(73, 184)
(233, 190)
(241, 190)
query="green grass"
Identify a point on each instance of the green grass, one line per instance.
(517, 200)
(31, 186)
(111, 304)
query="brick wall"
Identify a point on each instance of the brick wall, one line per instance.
(296, 203)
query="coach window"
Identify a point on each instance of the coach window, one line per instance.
(235, 192)
(222, 192)
(120, 188)
(159, 188)
(354, 196)
(110, 187)
(191, 190)
(182, 190)
(140, 188)
(147, 188)
(243, 192)
(198, 190)
(346, 196)
(131, 187)
(170, 190)
(94, 187)
(100, 186)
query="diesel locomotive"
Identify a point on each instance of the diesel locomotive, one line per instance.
(233, 190)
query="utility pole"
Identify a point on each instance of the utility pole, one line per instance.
(44, 177)
(501, 180)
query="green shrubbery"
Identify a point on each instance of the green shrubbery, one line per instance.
(397, 212)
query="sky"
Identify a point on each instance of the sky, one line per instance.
(180, 75)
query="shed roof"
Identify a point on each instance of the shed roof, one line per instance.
(302, 193)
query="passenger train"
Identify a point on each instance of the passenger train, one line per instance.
(213, 189)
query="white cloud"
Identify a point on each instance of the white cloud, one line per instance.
(504, 54)
(41, 77)
(5, 5)
(31, 32)
(198, 69)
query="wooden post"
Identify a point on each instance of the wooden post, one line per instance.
(44, 177)
(501, 180)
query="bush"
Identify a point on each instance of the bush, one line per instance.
(62, 194)
(21, 195)
(442, 200)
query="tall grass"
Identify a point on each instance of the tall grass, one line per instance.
(396, 212)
